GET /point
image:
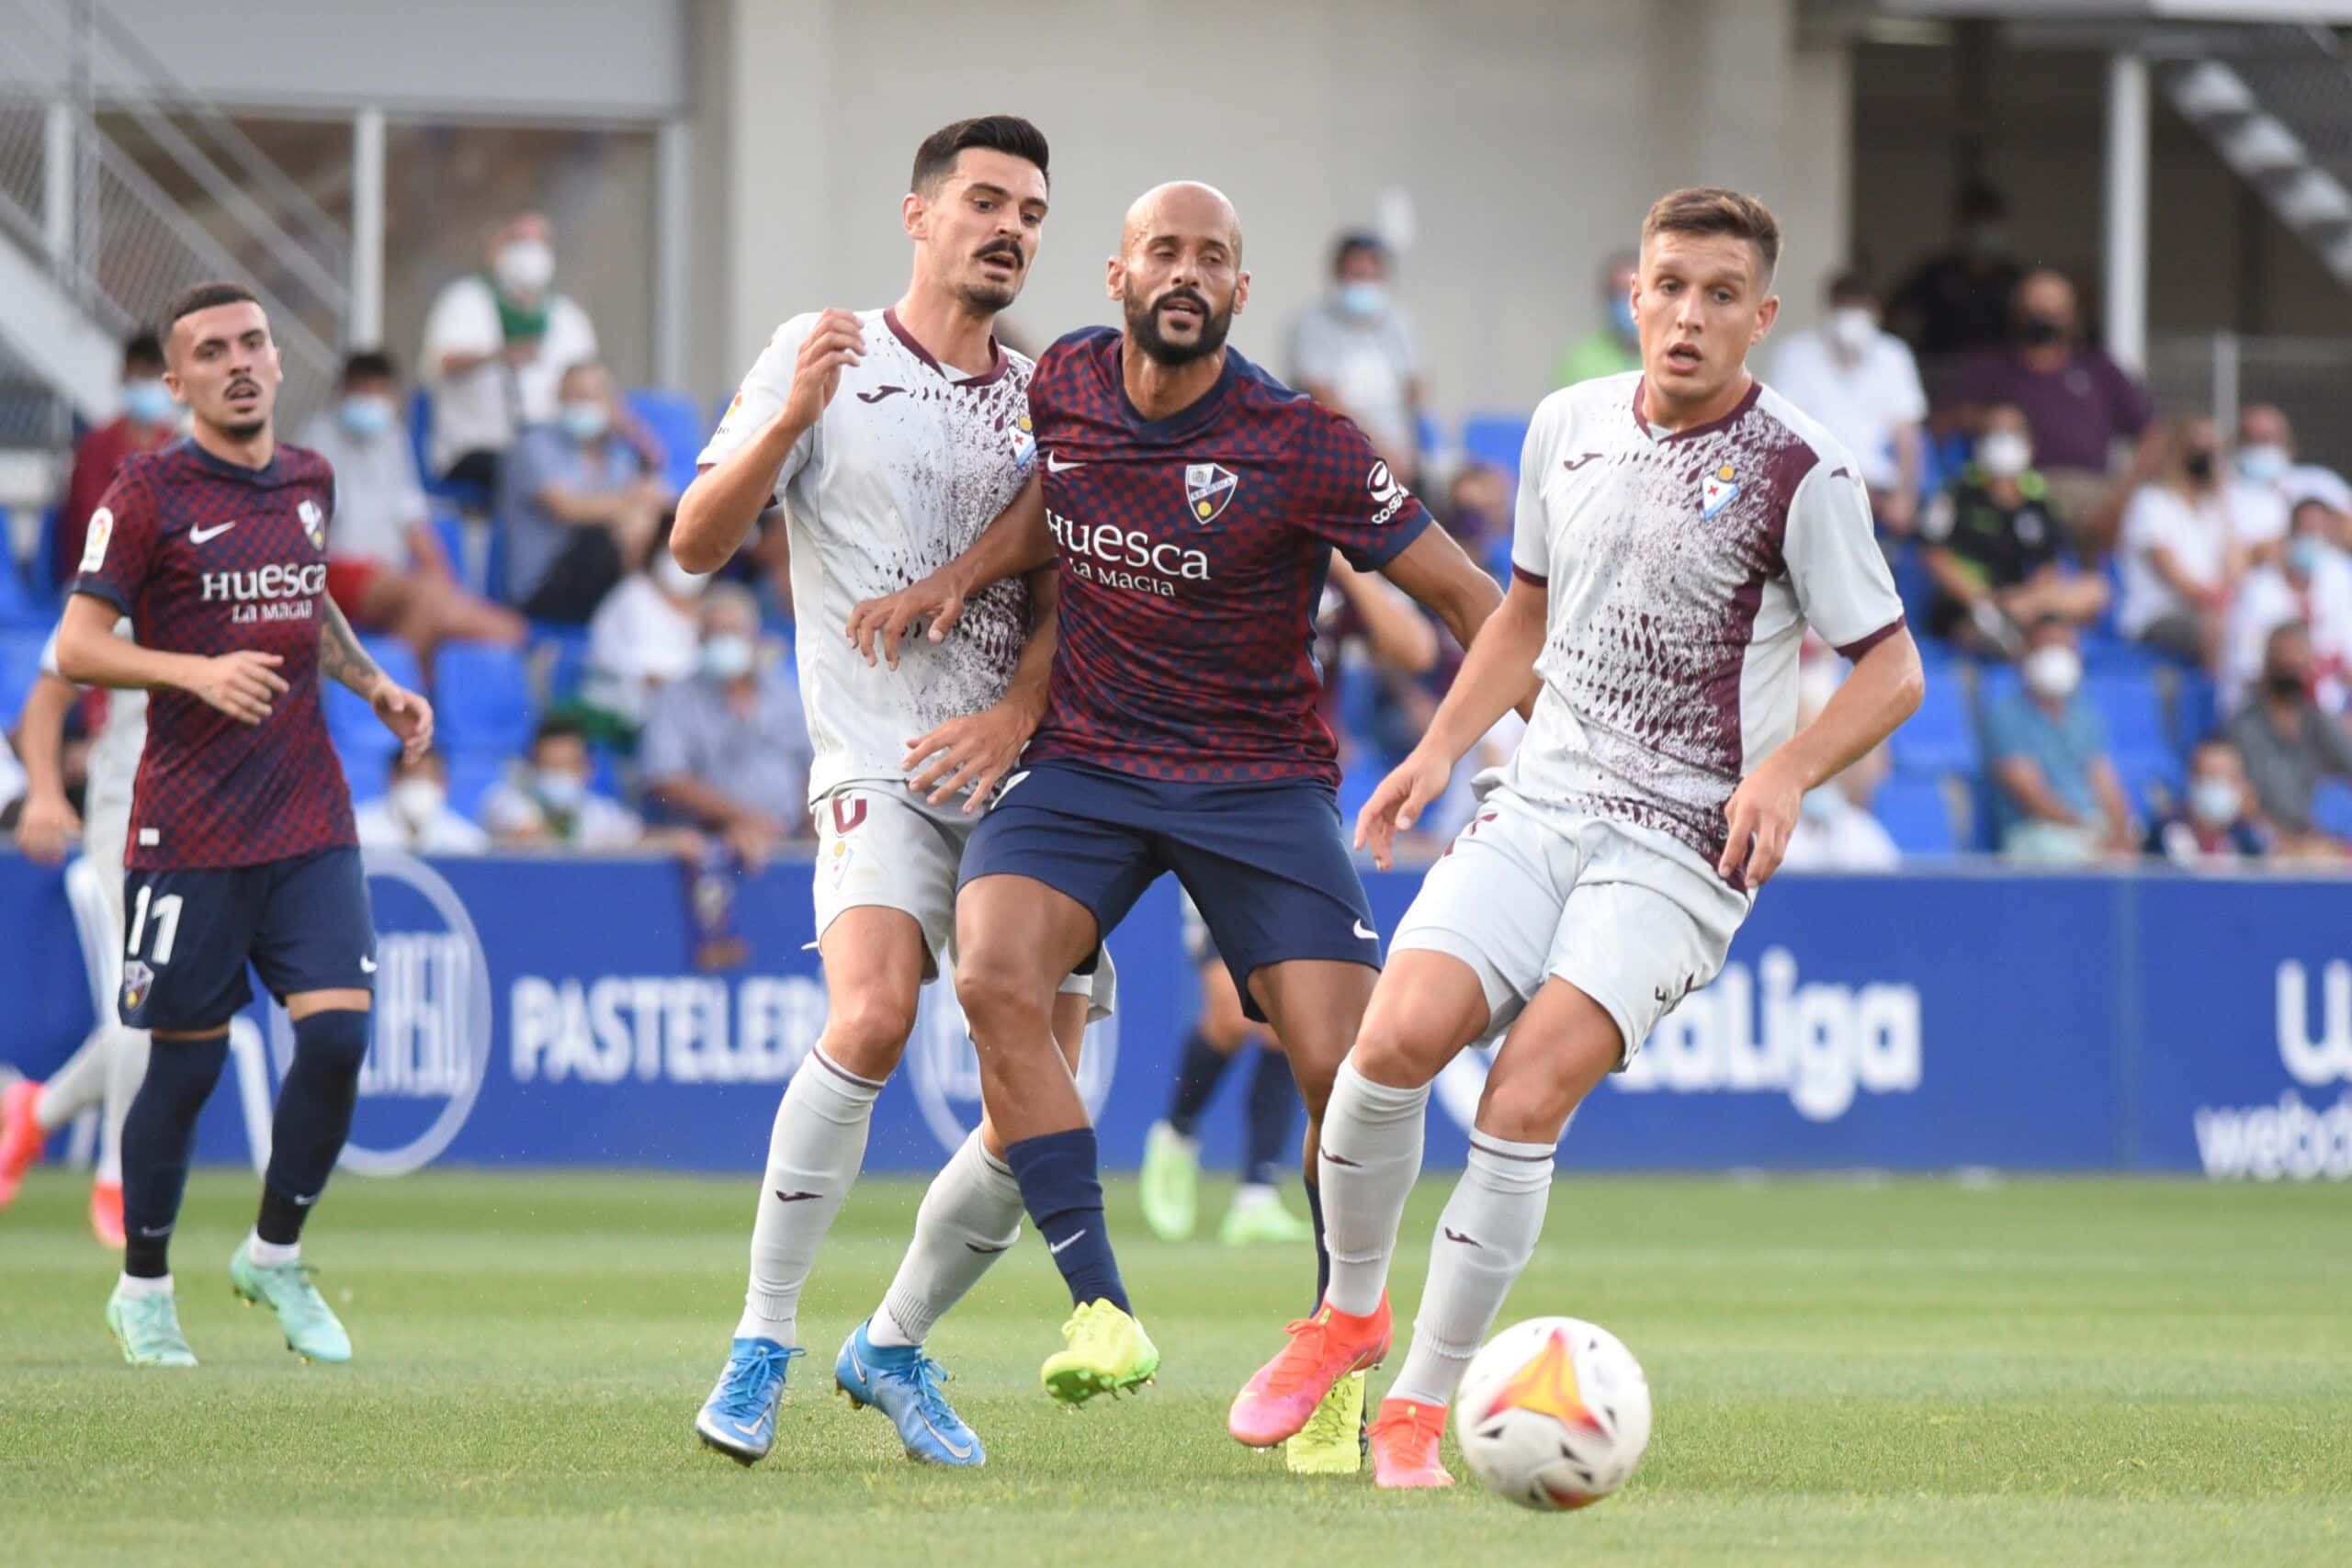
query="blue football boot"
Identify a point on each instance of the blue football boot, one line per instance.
(904, 1384)
(738, 1418)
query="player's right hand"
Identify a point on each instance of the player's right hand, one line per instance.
(887, 620)
(1398, 802)
(240, 684)
(835, 341)
(47, 827)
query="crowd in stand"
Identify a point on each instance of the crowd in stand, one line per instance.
(2139, 627)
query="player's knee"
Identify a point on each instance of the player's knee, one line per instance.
(336, 1038)
(865, 1030)
(998, 991)
(1388, 1050)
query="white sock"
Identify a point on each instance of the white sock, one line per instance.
(126, 1053)
(1484, 1239)
(80, 1085)
(814, 1154)
(1370, 1156)
(969, 1217)
(128, 1285)
(269, 1254)
(1250, 1194)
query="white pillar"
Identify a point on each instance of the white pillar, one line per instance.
(364, 328)
(2127, 209)
(673, 250)
(57, 194)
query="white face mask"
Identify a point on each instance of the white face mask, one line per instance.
(523, 267)
(729, 655)
(2004, 454)
(2264, 465)
(2215, 802)
(2053, 673)
(1853, 327)
(418, 801)
(671, 578)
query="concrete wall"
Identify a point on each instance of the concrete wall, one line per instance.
(1530, 136)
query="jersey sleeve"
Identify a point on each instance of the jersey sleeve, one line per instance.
(119, 549)
(762, 392)
(1531, 539)
(1840, 576)
(1347, 497)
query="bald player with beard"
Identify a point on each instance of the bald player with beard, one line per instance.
(1190, 502)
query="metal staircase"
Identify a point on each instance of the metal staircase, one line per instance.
(118, 188)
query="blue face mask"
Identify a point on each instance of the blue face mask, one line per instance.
(560, 791)
(147, 402)
(584, 421)
(1364, 299)
(2306, 555)
(365, 417)
(1621, 316)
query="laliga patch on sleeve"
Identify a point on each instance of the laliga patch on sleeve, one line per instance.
(94, 549)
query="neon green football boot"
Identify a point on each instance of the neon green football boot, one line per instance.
(312, 1331)
(1170, 1183)
(1332, 1441)
(148, 1329)
(1108, 1352)
(1257, 1218)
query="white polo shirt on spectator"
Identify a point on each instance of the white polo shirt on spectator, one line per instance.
(2198, 534)
(1863, 402)
(379, 499)
(1369, 362)
(480, 410)
(2268, 600)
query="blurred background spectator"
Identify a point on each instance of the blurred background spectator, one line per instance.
(1860, 381)
(495, 345)
(149, 419)
(553, 803)
(1957, 300)
(1836, 830)
(1480, 512)
(579, 503)
(2269, 481)
(1354, 350)
(2180, 552)
(645, 636)
(727, 751)
(385, 565)
(2214, 825)
(413, 812)
(2290, 746)
(2308, 581)
(2057, 797)
(1615, 345)
(1998, 560)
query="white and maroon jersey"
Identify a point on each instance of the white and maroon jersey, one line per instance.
(908, 465)
(120, 735)
(1682, 569)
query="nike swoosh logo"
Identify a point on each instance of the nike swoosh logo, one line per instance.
(1467, 1241)
(1008, 786)
(205, 535)
(880, 393)
(1366, 932)
(1056, 1247)
(985, 1251)
(305, 1202)
(367, 965)
(797, 1197)
(151, 1231)
(1054, 464)
(1341, 1160)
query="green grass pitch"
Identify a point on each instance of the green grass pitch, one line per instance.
(1845, 1372)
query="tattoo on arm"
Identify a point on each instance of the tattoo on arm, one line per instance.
(340, 656)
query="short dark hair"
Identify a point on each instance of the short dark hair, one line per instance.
(1006, 133)
(558, 727)
(1710, 209)
(1355, 243)
(203, 297)
(1850, 287)
(143, 351)
(369, 365)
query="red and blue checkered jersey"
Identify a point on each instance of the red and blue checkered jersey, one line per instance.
(1192, 553)
(207, 558)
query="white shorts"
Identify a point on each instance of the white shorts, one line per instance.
(881, 845)
(1629, 917)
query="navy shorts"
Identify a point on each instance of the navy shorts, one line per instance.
(303, 923)
(1267, 863)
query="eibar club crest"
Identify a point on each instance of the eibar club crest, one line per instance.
(314, 522)
(1208, 487)
(1715, 491)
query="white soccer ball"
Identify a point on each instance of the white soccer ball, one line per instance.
(1553, 1413)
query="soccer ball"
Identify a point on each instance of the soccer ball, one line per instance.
(1553, 1413)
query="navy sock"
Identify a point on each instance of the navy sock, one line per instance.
(312, 1120)
(1322, 1253)
(1061, 1186)
(158, 1137)
(1197, 1076)
(1273, 1095)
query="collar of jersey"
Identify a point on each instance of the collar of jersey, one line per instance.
(890, 320)
(1185, 420)
(264, 475)
(1755, 390)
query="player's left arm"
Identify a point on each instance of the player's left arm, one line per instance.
(976, 751)
(341, 658)
(1438, 574)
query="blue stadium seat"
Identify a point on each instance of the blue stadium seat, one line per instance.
(676, 422)
(473, 774)
(1430, 435)
(1914, 585)
(1940, 738)
(2153, 778)
(2106, 653)
(43, 566)
(483, 699)
(466, 497)
(20, 666)
(21, 604)
(2133, 711)
(565, 649)
(1916, 814)
(2196, 709)
(1495, 438)
(2331, 807)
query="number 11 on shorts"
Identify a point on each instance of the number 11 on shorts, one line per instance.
(167, 926)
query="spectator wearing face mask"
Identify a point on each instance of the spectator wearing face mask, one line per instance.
(414, 813)
(580, 504)
(1861, 382)
(2181, 551)
(1957, 300)
(2078, 404)
(554, 805)
(1355, 351)
(1995, 552)
(727, 750)
(2269, 481)
(1615, 345)
(1478, 516)
(386, 567)
(2308, 581)
(2290, 745)
(646, 634)
(2057, 797)
(496, 343)
(2214, 825)
(149, 419)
